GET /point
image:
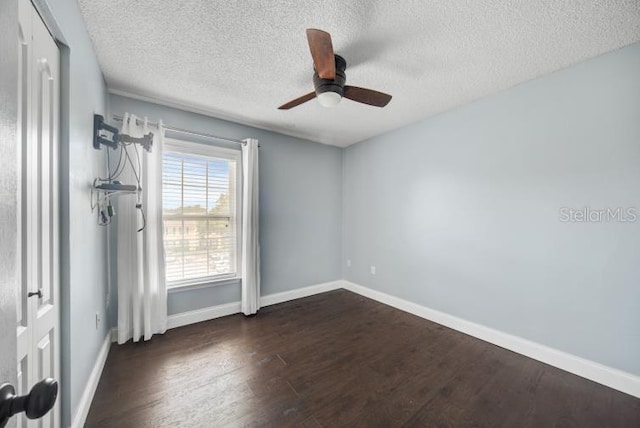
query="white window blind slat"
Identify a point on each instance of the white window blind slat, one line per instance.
(199, 216)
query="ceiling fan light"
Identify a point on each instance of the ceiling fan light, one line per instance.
(329, 99)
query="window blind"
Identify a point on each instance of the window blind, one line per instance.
(199, 217)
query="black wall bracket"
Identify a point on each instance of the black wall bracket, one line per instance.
(99, 137)
(107, 135)
(35, 404)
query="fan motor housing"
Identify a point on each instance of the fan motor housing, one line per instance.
(332, 85)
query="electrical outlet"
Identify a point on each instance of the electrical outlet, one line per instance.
(373, 270)
(348, 262)
(98, 319)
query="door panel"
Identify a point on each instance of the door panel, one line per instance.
(24, 123)
(24, 344)
(22, 388)
(46, 362)
(38, 317)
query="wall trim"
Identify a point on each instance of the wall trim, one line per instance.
(212, 312)
(176, 105)
(203, 111)
(80, 416)
(205, 314)
(114, 334)
(605, 375)
(298, 293)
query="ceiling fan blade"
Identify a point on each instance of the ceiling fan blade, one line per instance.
(322, 53)
(367, 96)
(298, 101)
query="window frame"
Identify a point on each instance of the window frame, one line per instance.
(172, 145)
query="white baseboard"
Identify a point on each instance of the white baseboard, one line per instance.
(298, 293)
(206, 314)
(608, 376)
(82, 411)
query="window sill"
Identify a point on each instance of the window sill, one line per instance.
(203, 284)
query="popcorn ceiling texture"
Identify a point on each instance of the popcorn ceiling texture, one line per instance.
(240, 60)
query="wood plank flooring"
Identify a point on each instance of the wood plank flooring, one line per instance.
(339, 359)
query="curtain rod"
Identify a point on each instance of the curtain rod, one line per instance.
(119, 118)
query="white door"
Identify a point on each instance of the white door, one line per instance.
(38, 344)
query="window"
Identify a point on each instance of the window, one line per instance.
(201, 212)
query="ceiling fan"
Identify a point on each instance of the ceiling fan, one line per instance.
(329, 77)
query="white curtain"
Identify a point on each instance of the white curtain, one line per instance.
(142, 292)
(250, 229)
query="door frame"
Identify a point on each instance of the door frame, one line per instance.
(8, 189)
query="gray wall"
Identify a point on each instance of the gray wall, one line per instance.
(8, 195)
(300, 206)
(460, 212)
(83, 242)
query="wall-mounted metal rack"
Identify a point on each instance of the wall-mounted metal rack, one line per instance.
(104, 189)
(102, 193)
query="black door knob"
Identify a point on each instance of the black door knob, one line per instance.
(35, 404)
(35, 293)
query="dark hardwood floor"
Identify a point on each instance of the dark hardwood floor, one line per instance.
(339, 359)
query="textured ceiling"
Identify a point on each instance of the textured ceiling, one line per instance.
(240, 60)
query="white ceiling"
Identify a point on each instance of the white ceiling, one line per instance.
(240, 60)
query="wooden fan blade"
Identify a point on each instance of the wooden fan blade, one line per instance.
(367, 96)
(298, 101)
(322, 53)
